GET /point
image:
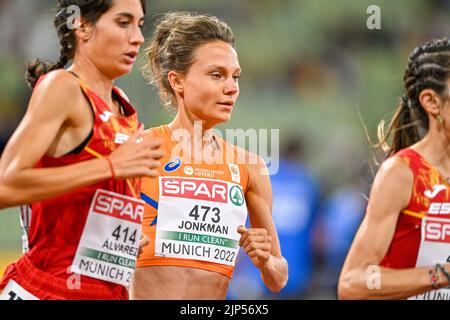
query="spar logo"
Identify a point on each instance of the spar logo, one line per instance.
(198, 189)
(237, 196)
(437, 230)
(118, 206)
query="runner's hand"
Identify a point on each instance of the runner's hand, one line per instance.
(137, 158)
(145, 241)
(257, 244)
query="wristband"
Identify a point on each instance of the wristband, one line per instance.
(432, 272)
(111, 167)
(445, 272)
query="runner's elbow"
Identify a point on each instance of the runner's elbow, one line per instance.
(344, 290)
(9, 196)
(4, 198)
(3, 195)
(350, 288)
(7, 199)
(8, 177)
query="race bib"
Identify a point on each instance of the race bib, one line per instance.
(434, 248)
(13, 291)
(198, 219)
(109, 245)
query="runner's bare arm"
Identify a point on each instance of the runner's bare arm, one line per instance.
(51, 107)
(390, 194)
(6, 195)
(261, 240)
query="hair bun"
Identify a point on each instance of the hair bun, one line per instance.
(35, 69)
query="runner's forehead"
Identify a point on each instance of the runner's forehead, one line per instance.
(217, 55)
(127, 8)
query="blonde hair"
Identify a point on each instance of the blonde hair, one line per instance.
(176, 37)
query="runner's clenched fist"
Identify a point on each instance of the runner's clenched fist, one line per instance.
(257, 244)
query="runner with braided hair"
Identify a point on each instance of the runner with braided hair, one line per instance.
(76, 160)
(67, 42)
(402, 248)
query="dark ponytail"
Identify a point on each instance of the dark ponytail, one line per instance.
(428, 68)
(91, 11)
(36, 67)
(404, 128)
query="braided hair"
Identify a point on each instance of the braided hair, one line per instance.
(91, 11)
(428, 68)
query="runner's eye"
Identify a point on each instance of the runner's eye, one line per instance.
(123, 24)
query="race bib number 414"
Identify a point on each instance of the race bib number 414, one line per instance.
(109, 245)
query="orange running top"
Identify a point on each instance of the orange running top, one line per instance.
(192, 211)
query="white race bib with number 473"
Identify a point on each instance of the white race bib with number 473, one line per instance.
(109, 245)
(198, 219)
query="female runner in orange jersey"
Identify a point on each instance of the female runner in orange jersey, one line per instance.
(70, 159)
(196, 211)
(402, 249)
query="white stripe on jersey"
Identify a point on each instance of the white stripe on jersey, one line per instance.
(25, 222)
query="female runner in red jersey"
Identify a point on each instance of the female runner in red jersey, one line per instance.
(402, 249)
(77, 157)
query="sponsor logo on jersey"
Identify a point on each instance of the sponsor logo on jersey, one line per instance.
(207, 172)
(173, 164)
(235, 174)
(189, 171)
(440, 208)
(106, 116)
(118, 206)
(436, 190)
(198, 189)
(121, 138)
(237, 196)
(437, 230)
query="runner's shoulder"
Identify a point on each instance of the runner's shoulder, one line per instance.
(394, 174)
(243, 156)
(254, 163)
(59, 82)
(154, 132)
(59, 86)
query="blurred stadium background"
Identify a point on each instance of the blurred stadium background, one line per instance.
(312, 69)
